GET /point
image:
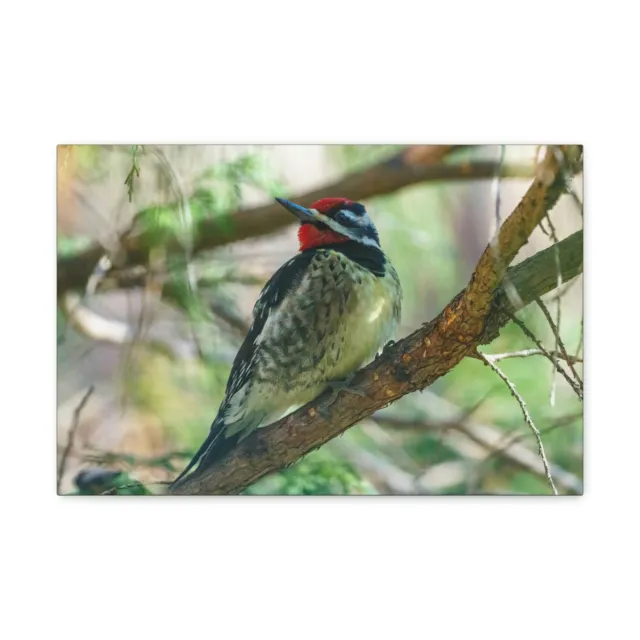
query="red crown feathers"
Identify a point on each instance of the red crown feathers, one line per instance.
(325, 204)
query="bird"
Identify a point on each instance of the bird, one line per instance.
(324, 314)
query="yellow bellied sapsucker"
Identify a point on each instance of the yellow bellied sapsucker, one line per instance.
(323, 315)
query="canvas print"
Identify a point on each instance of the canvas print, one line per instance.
(319, 320)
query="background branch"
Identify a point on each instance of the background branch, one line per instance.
(413, 165)
(71, 437)
(466, 435)
(527, 419)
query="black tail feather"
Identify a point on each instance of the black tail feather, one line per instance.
(216, 446)
(210, 439)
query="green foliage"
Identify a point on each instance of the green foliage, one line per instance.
(72, 245)
(250, 169)
(521, 482)
(217, 191)
(318, 473)
(134, 172)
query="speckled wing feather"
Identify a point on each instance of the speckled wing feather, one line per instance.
(282, 281)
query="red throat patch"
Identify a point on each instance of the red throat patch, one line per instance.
(310, 236)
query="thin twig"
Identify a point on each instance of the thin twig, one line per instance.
(527, 419)
(512, 439)
(556, 255)
(529, 334)
(164, 461)
(562, 160)
(71, 437)
(524, 353)
(567, 286)
(113, 491)
(510, 290)
(465, 435)
(556, 331)
(185, 236)
(580, 340)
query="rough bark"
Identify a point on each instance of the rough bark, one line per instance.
(411, 166)
(472, 318)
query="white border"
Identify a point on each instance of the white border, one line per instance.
(332, 72)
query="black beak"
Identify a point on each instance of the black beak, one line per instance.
(303, 214)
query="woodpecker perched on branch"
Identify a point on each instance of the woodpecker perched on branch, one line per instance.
(323, 315)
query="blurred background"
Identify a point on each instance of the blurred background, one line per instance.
(144, 352)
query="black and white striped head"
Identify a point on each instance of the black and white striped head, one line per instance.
(332, 220)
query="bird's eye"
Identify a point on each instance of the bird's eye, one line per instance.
(358, 210)
(345, 216)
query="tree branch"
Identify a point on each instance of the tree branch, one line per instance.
(459, 430)
(527, 419)
(473, 317)
(71, 437)
(525, 353)
(413, 165)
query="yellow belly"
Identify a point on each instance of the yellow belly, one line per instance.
(332, 325)
(362, 332)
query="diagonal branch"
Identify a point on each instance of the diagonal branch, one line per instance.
(527, 419)
(417, 164)
(71, 437)
(559, 343)
(472, 318)
(574, 384)
(525, 353)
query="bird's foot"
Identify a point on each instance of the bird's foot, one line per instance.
(336, 387)
(387, 346)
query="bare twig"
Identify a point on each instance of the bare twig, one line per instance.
(527, 419)
(572, 383)
(580, 340)
(561, 157)
(556, 331)
(501, 450)
(554, 237)
(185, 235)
(113, 491)
(567, 286)
(186, 217)
(524, 353)
(71, 437)
(474, 440)
(164, 461)
(510, 290)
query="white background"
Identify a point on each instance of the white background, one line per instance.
(275, 72)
